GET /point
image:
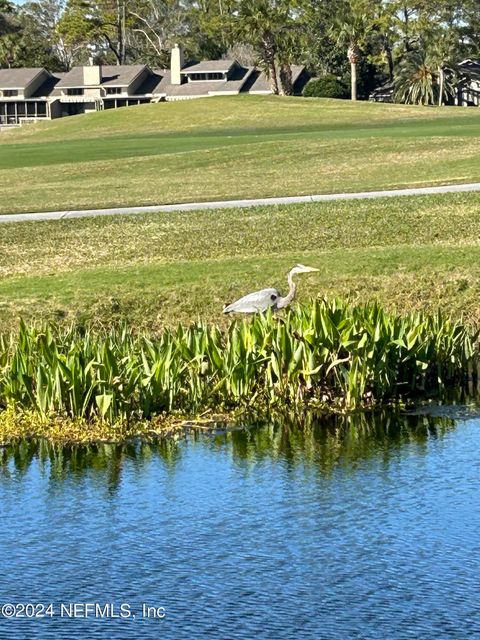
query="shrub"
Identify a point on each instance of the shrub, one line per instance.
(326, 87)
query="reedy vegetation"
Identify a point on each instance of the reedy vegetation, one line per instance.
(324, 354)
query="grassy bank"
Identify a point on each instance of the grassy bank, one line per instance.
(420, 253)
(328, 355)
(227, 147)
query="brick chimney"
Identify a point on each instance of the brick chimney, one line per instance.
(176, 64)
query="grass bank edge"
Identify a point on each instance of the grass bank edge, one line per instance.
(17, 425)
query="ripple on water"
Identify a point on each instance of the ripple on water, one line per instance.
(358, 528)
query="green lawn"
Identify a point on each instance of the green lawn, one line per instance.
(234, 147)
(409, 253)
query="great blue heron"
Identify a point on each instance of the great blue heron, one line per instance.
(259, 301)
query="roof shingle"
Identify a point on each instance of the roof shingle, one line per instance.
(112, 75)
(209, 66)
(18, 78)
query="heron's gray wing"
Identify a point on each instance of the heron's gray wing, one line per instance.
(253, 302)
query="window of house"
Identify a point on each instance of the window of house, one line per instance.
(206, 76)
(113, 90)
(10, 93)
(74, 92)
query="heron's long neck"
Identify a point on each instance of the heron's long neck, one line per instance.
(283, 302)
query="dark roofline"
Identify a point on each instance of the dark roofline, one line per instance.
(469, 70)
(23, 87)
(469, 61)
(143, 67)
(191, 67)
(88, 86)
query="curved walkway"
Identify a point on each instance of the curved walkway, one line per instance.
(226, 204)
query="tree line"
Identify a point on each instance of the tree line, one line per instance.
(351, 45)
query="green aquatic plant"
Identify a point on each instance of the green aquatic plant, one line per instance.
(327, 354)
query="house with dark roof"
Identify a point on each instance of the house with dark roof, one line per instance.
(216, 78)
(466, 77)
(93, 88)
(33, 94)
(200, 80)
(468, 87)
(24, 95)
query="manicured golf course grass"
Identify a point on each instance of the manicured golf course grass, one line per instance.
(227, 148)
(160, 269)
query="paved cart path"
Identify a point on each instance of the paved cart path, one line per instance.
(225, 204)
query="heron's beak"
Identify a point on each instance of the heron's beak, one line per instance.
(308, 269)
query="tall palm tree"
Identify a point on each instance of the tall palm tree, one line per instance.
(420, 80)
(257, 25)
(353, 55)
(352, 29)
(443, 50)
(273, 29)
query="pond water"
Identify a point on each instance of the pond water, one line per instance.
(360, 528)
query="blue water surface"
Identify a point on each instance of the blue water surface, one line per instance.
(367, 529)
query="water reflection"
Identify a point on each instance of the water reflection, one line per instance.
(348, 527)
(323, 443)
(63, 462)
(338, 440)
